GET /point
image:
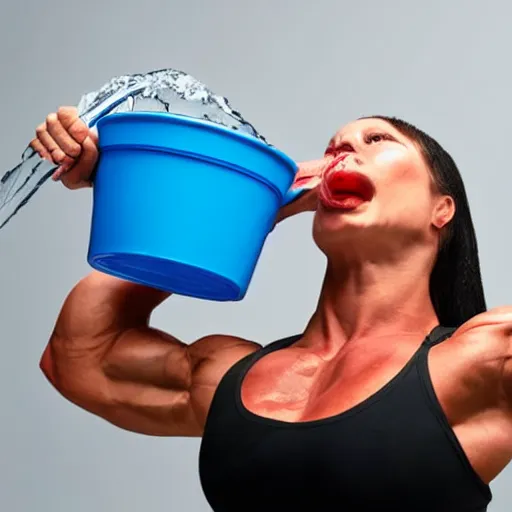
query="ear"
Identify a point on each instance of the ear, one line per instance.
(443, 212)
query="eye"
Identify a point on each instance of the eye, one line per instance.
(377, 137)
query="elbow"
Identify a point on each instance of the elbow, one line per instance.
(75, 386)
(47, 366)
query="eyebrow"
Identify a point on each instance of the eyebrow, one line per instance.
(338, 138)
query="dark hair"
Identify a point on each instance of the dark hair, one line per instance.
(456, 288)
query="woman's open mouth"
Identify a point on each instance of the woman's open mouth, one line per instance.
(345, 190)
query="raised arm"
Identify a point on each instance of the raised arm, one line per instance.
(104, 357)
(102, 354)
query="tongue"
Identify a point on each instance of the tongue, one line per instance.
(344, 185)
(342, 195)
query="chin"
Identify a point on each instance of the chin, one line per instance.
(338, 221)
(332, 232)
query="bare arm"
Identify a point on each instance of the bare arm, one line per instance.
(102, 354)
(104, 357)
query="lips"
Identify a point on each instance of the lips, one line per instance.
(345, 190)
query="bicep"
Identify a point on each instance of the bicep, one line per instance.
(154, 384)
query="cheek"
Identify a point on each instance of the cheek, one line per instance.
(403, 186)
(394, 164)
(397, 170)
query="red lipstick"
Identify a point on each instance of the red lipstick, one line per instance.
(345, 190)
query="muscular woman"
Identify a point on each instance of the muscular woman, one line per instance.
(397, 395)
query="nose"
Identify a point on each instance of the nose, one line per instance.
(349, 146)
(346, 147)
(345, 160)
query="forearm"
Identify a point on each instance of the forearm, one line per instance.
(95, 313)
(100, 311)
(101, 305)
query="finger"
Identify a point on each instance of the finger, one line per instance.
(56, 154)
(74, 126)
(63, 169)
(37, 146)
(62, 138)
(80, 174)
(89, 155)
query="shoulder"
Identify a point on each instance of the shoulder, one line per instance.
(488, 337)
(496, 324)
(211, 358)
(218, 352)
(496, 328)
(217, 346)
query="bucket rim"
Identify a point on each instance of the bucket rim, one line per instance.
(201, 123)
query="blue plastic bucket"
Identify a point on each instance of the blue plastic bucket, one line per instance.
(183, 205)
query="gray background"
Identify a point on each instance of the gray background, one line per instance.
(297, 70)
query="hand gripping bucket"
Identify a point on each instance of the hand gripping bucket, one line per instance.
(184, 205)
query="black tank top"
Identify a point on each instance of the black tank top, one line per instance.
(393, 452)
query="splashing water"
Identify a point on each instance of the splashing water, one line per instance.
(166, 90)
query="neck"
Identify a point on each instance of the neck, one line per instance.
(371, 300)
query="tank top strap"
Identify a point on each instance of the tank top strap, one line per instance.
(438, 335)
(279, 344)
(239, 369)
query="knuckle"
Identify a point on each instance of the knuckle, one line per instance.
(78, 130)
(58, 155)
(67, 161)
(74, 150)
(66, 111)
(51, 118)
(41, 129)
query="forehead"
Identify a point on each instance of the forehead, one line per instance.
(361, 127)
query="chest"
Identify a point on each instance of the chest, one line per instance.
(296, 385)
(337, 429)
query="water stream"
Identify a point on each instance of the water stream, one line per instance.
(166, 90)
